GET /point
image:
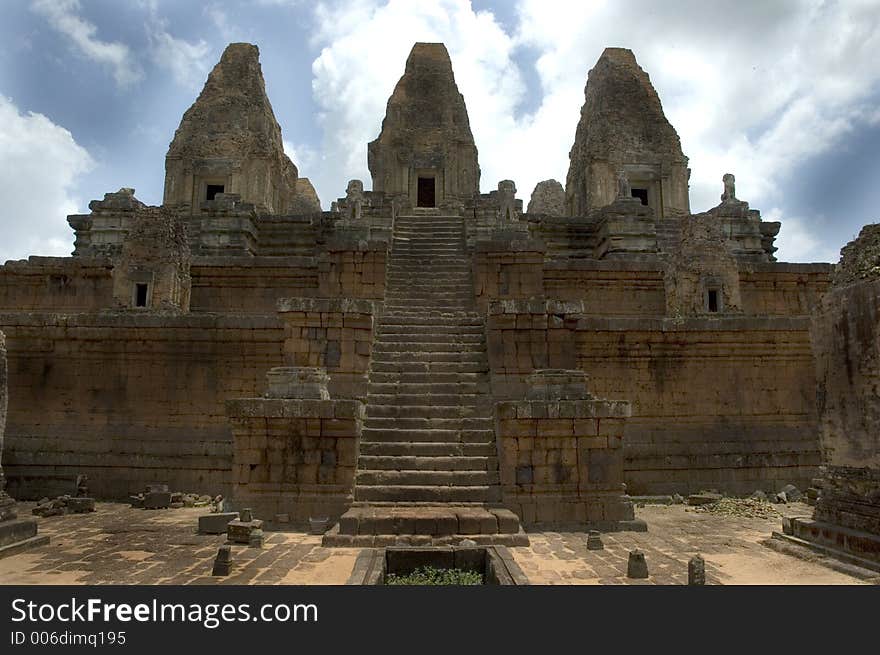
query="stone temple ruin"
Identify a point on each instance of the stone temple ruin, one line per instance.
(427, 363)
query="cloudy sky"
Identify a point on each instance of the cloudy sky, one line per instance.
(785, 94)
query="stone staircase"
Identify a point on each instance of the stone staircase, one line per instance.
(427, 468)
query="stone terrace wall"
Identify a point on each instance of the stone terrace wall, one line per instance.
(62, 284)
(250, 284)
(129, 398)
(294, 456)
(240, 285)
(626, 288)
(720, 403)
(846, 334)
(782, 289)
(332, 333)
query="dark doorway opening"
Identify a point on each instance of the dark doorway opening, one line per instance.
(213, 190)
(641, 194)
(426, 192)
(140, 295)
(713, 300)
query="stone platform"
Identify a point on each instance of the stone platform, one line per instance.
(854, 547)
(425, 525)
(17, 535)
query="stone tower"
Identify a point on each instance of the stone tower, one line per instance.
(425, 150)
(623, 129)
(229, 141)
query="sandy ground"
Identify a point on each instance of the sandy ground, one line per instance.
(121, 545)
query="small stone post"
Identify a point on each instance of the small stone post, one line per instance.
(223, 561)
(696, 571)
(637, 567)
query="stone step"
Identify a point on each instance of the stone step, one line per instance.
(411, 298)
(381, 355)
(376, 525)
(428, 367)
(408, 400)
(419, 269)
(395, 434)
(428, 493)
(422, 463)
(419, 377)
(419, 478)
(424, 341)
(462, 423)
(431, 389)
(426, 448)
(381, 345)
(412, 412)
(427, 311)
(432, 331)
(462, 319)
(399, 284)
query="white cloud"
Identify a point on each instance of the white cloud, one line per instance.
(352, 89)
(754, 89)
(188, 62)
(797, 240)
(63, 17)
(40, 167)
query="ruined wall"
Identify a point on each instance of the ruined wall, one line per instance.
(55, 283)
(716, 403)
(626, 288)
(129, 398)
(335, 334)
(846, 340)
(294, 456)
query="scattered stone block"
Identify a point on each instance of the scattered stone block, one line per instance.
(594, 541)
(704, 498)
(157, 500)
(256, 538)
(792, 493)
(80, 505)
(637, 566)
(216, 523)
(223, 561)
(239, 531)
(696, 571)
(319, 525)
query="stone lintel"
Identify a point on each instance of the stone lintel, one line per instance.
(536, 306)
(565, 409)
(244, 408)
(326, 305)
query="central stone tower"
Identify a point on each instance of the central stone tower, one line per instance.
(426, 151)
(623, 130)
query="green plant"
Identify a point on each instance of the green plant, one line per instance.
(429, 575)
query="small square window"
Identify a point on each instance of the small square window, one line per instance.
(213, 189)
(140, 294)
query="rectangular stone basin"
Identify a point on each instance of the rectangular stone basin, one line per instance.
(494, 562)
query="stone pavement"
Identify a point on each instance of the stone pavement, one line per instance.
(121, 545)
